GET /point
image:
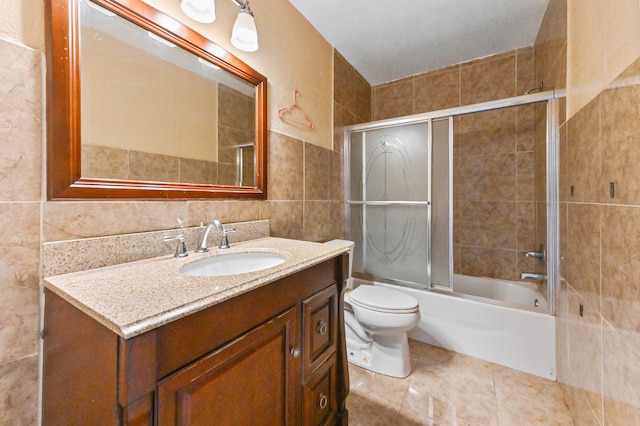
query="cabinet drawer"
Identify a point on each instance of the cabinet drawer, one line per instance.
(320, 328)
(319, 395)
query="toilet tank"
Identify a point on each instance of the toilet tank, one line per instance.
(351, 245)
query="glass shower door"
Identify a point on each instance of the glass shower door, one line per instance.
(389, 199)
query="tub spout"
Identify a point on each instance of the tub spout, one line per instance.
(533, 276)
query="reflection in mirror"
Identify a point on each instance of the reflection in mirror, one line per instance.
(157, 119)
(153, 111)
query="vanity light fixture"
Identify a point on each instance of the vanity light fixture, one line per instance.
(244, 35)
(199, 10)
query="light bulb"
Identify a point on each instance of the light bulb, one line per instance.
(199, 10)
(245, 35)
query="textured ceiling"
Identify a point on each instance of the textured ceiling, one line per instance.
(386, 40)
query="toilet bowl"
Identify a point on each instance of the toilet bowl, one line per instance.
(377, 320)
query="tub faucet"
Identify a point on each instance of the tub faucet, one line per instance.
(532, 275)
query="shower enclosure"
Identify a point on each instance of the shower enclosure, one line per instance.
(435, 198)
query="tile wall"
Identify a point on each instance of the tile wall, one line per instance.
(495, 213)
(304, 201)
(599, 317)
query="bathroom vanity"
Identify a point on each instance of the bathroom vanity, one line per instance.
(259, 348)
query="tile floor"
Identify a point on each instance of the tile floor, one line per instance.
(447, 388)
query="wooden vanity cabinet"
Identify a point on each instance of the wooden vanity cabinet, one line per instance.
(273, 356)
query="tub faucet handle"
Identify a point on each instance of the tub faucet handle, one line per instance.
(540, 254)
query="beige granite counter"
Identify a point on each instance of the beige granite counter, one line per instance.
(136, 297)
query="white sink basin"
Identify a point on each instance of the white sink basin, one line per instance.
(232, 264)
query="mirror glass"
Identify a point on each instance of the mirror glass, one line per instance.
(160, 115)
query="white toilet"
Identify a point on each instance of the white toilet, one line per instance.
(377, 320)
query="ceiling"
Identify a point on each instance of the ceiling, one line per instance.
(386, 40)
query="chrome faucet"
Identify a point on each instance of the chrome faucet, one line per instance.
(224, 240)
(533, 275)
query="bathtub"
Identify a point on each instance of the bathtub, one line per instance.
(509, 332)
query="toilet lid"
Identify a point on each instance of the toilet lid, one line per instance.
(383, 298)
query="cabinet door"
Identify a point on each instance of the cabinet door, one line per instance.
(320, 328)
(250, 381)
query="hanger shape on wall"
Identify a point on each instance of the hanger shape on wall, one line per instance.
(304, 121)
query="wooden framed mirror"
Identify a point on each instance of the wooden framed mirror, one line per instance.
(140, 106)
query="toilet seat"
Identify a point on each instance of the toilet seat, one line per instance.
(382, 299)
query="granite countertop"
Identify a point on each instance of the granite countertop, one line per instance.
(133, 298)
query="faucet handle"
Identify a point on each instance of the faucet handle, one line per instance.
(224, 240)
(181, 249)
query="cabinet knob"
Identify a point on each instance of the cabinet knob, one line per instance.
(295, 352)
(322, 401)
(321, 327)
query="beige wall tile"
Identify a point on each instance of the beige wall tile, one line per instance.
(526, 126)
(392, 99)
(525, 70)
(317, 173)
(526, 227)
(582, 253)
(488, 224)
(620, 266)
(21, 129)
(70, 220)
(285, 168)
(286, 218)
(19, 279)
(525, 176)
(550, 46)
(228, 211)
(562, 333)
(323, 220)
(585, 54)
(585, 354)
(486, 262)
(621, 376)
(437, 90)
(583, 153)
(620, 134)
(486, 177)
(487, 80)
(621, 37)
(488, 132)
(19, 390)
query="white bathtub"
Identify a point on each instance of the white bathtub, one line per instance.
(521, 293)
(520, 338)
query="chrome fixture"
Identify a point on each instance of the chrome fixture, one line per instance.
(533, 276)
(540, 254)
(224, 240)
(244, 35)
(181, 248)
(199, 10)
(535, 89)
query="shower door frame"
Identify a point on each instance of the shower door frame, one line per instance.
(551, 98)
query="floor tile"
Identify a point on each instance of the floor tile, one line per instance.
(448, 388)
